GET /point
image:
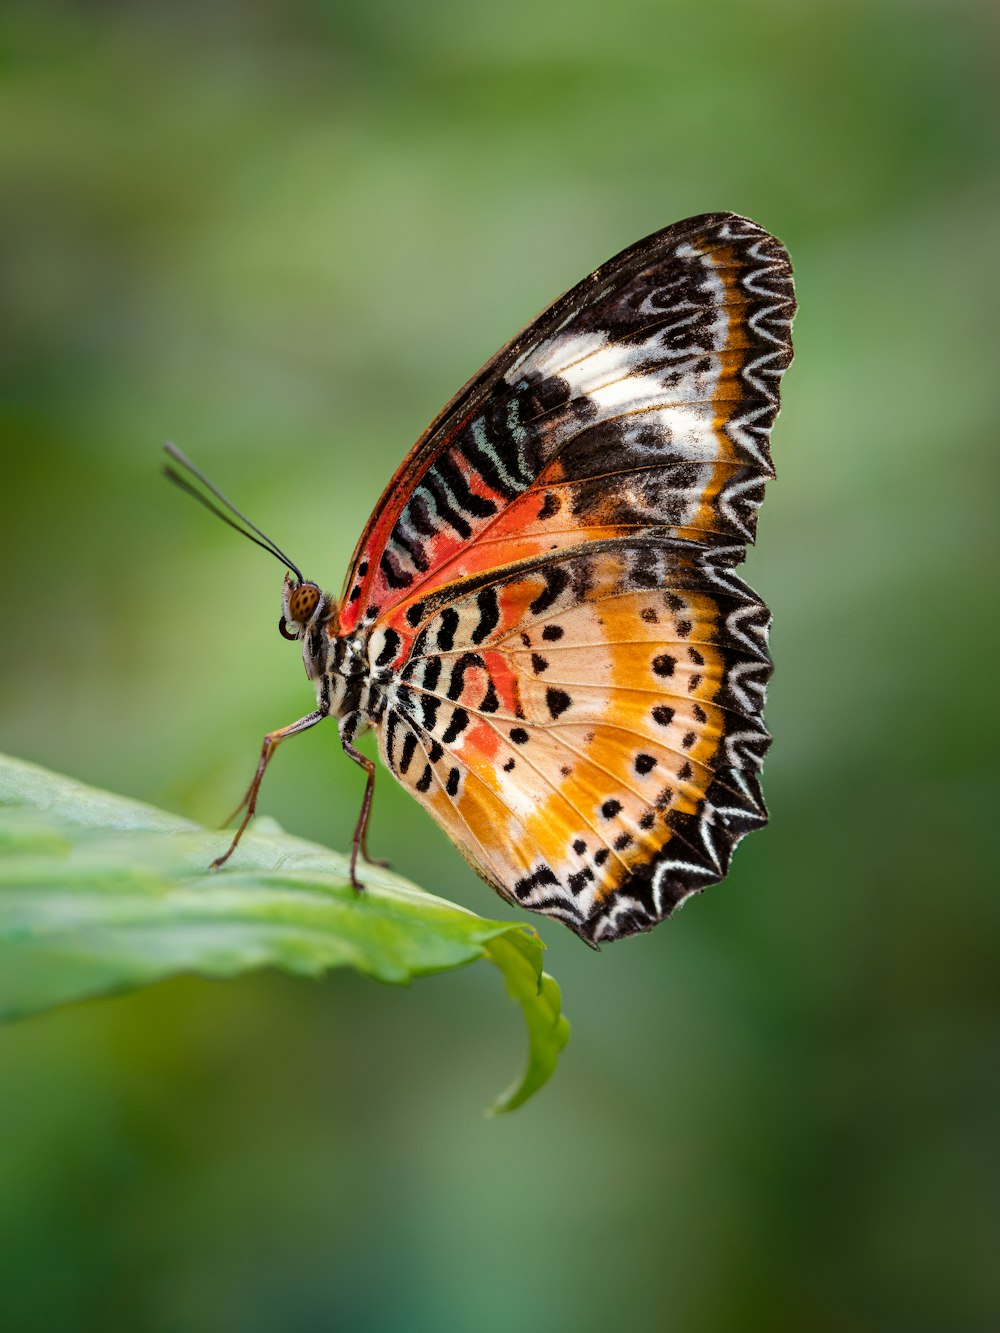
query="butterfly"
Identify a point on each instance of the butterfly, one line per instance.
(541, 621)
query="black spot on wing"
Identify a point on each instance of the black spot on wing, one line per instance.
(418, 514)
(389, 649)
(557, 701)
(556, 581)
(471, 503)
(391, 727)
(432, 673)
(412, 549)
(448, 626)
(487, 461)
(456, 725)
(456, 681)
(395, 575)
(489, 614)
(579, 880)
(429, 705)
(407, 752)
(543, 875)
(445, 505)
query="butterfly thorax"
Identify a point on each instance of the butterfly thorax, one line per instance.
(338, 667)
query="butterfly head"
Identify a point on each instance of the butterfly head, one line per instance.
(301, 603)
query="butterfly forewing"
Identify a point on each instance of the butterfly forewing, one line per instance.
(571, 676)
(639, 402)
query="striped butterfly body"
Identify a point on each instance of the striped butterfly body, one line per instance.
(541, 620)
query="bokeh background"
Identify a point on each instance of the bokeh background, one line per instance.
(283, 232)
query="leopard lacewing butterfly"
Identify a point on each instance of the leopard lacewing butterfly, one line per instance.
(541, 621)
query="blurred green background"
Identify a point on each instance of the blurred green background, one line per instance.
(283, 234)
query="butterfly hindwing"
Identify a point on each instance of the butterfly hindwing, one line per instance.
(587, 729)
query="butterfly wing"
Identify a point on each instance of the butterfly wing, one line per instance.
(641, 402)
(587, 729)
(576, 674)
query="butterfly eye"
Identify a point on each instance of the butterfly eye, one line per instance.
(303, 602)
(284, 631)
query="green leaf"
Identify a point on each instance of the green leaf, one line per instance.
(100, 894)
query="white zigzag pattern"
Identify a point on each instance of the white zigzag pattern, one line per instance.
(729, 496)
(744, 748)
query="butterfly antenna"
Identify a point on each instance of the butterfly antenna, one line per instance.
(261, 539)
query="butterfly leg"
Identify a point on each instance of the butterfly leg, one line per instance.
(249, 802)
(359, 843)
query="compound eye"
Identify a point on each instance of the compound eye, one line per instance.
(284, 631)
(303, 601)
